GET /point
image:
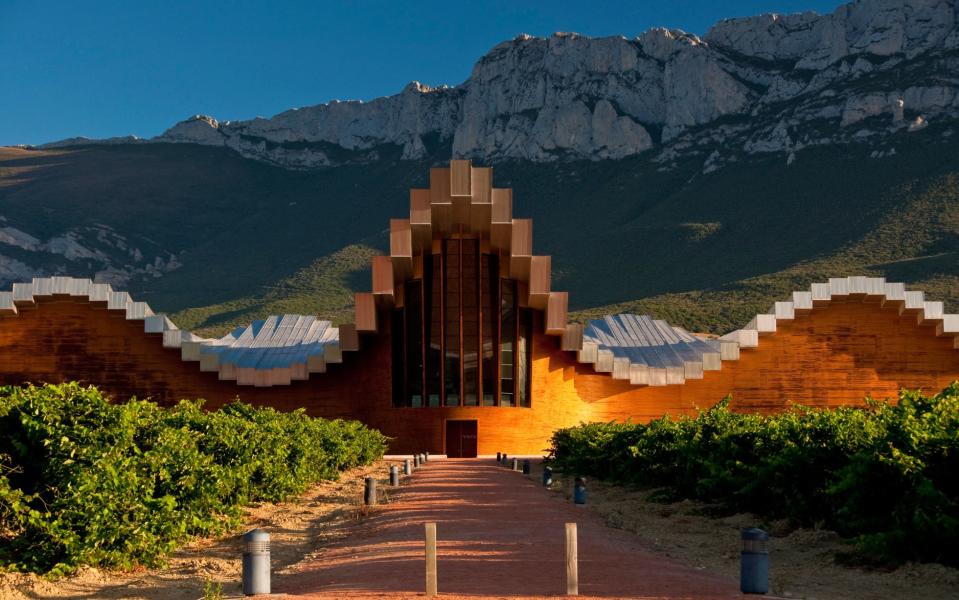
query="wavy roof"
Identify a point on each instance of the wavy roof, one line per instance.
(651, 352)
(273, 351)
(644, 351)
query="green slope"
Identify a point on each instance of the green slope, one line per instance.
(323, 288)
(917, 242)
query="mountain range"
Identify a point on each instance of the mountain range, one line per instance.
(695, 178)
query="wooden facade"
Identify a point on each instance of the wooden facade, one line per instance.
(499, 326)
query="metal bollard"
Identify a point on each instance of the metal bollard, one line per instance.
(394, 476)
(256, 562)
(526, 467)
(407, 467)
(515, 464)
(579, 491)
(499, 457)
(754, 564)
(547, 476)
(369, 492)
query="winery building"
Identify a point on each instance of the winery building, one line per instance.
(462, 347)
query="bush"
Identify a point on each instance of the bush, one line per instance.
(85, 481)
(884, 474)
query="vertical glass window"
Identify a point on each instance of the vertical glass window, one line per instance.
(413, 307)
(398, 358)
(507, 341)
(452, 350)
(461, 338)
(524, 334)
(434, 364)
(469, 299)
(488, 292)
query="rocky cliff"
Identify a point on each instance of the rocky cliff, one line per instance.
(760, 84)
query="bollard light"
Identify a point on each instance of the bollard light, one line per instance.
(504, 458)
(499, 457)
(754, 564)
(547, 476)
(426, 456)
(515, 464)
(394, 476)
(526, 467)
(416, 461)
(579, 491)
(256, 562)
(369, 492)
(407, 467)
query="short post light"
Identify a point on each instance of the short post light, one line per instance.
(526, 467)
(407, 467)
(256, 562)
(754, 566)
(394, 476)
(499, 457)
(547, 476)
(369, 492)
(579, 491)
(515, 464)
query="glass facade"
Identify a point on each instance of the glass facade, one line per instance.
(413, 347)
(461, 339)
(489, 289)
(452, 351)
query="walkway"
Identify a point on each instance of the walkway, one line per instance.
(499, 535)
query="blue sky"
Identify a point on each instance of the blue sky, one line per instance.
(116, 67)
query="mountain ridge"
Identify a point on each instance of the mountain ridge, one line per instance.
(570, 97)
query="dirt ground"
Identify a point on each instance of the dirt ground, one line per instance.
(297, 530)
(802, 563)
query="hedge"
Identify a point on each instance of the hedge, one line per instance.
(84, 481)
(884, 474)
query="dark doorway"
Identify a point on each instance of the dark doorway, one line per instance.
(461, 439)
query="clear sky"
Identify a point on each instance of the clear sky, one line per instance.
(102, 68)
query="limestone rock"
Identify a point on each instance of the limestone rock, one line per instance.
(768, 83)
(198, 129)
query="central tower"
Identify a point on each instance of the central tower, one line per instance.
(463, 296)
(461, 336)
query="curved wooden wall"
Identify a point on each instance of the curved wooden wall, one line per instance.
(834, 355)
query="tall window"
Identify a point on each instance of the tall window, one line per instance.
(434, 364)
(461, 339)
(413, 324)
(507, 342)
(470, 319)
(453, 348)
(489, 289)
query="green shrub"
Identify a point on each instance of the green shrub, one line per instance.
(884, 474)
(85, 481)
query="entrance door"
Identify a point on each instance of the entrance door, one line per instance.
(461, 439)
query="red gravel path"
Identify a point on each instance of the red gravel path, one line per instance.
(500, 535)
